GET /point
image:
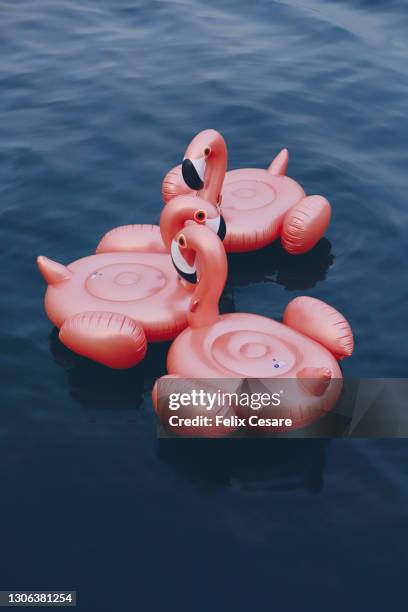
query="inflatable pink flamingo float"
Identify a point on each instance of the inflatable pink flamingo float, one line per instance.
(108, 306)
(258, 205)
(305, 347)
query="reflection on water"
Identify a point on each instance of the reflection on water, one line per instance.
(274, 264)
(94, 386)
(98, 100)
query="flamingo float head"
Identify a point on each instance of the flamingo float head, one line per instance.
(205, 164)
(196, 250)
(187, 209)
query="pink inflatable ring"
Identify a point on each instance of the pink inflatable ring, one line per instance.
(108, 306)
(258, 205)
(305, 347)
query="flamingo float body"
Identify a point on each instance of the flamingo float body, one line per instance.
(109, 305)
(306, 347)
(258, 205)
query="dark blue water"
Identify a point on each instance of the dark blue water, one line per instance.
(98, 99)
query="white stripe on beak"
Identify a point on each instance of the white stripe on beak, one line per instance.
(200, 166)
(179, 260)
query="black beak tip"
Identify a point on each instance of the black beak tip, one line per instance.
(222, 230)
(190, 278)
(190, 175)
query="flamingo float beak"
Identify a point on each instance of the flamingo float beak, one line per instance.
(184, 260)
(218, 226)
(193, 171)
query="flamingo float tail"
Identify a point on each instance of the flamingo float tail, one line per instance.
(279, 165)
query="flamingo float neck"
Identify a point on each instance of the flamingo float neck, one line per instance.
(205, 165)
(189, 208)
(203, 245)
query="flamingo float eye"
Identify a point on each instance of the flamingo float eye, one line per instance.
(207, 151)
(200, 216)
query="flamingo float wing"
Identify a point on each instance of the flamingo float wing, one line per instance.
(174, 385)
(114, 340)
(305, 224)
(322, 323)
(173, 185)
(135, 238)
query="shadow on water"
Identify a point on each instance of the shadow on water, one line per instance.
(96, 387)
(274, 264)
(253, 464)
